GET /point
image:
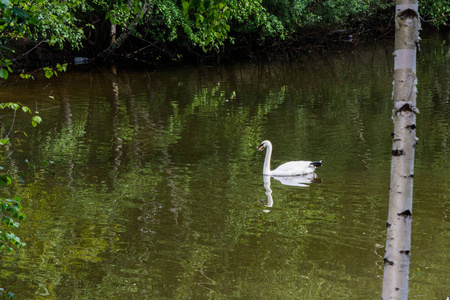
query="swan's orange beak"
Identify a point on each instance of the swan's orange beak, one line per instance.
(261, 148)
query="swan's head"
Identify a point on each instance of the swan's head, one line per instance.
(263, 145)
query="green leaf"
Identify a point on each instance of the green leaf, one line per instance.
(4, 73)
(227, 13)
(5, 180)
(36, 120)
(20, 13)
(26, 76)
(200, 18)
(48, 73)
(61, 68)
(4, 141)
(33, 20)
(185, 8)
(5, 3)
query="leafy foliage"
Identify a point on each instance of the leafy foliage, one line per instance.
(188, 24)
(54, 21)
(436, 12)
(15, 106)
(51, 21)
(327, 13)
(10, 209)
(5, 68)
(208, 24)
(208, 21)
(10, 214)
(122, 13)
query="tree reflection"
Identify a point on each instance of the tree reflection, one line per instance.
(157, 198)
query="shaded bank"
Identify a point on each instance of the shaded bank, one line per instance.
(163, 32)
(312, 43)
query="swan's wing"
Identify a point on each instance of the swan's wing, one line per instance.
(294, 168)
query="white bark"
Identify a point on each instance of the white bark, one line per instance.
(398, 240)
(113, 33)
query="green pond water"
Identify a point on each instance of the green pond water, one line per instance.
(157, 189)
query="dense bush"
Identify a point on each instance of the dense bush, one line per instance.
(435, 12)
(192, 25)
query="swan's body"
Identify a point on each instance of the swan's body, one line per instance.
(292, 168)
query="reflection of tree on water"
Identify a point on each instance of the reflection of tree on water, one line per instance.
(300, 181)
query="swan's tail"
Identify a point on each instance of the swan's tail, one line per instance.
(316, 163)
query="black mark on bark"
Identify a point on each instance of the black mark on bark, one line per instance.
(398, 152)
(406, 213)
(407, 252)
(405, 108)
(387, 261)
(408, 13)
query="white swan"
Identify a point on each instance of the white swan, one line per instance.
(292, 168)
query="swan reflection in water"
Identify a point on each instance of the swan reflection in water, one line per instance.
(300, 181)
(291, 168)
(294, 173)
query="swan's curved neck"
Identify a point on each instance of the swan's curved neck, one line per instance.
(266, 169)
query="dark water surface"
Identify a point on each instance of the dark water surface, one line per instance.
(159, 193)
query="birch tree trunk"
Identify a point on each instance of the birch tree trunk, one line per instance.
(398, 239)
(113, 33)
